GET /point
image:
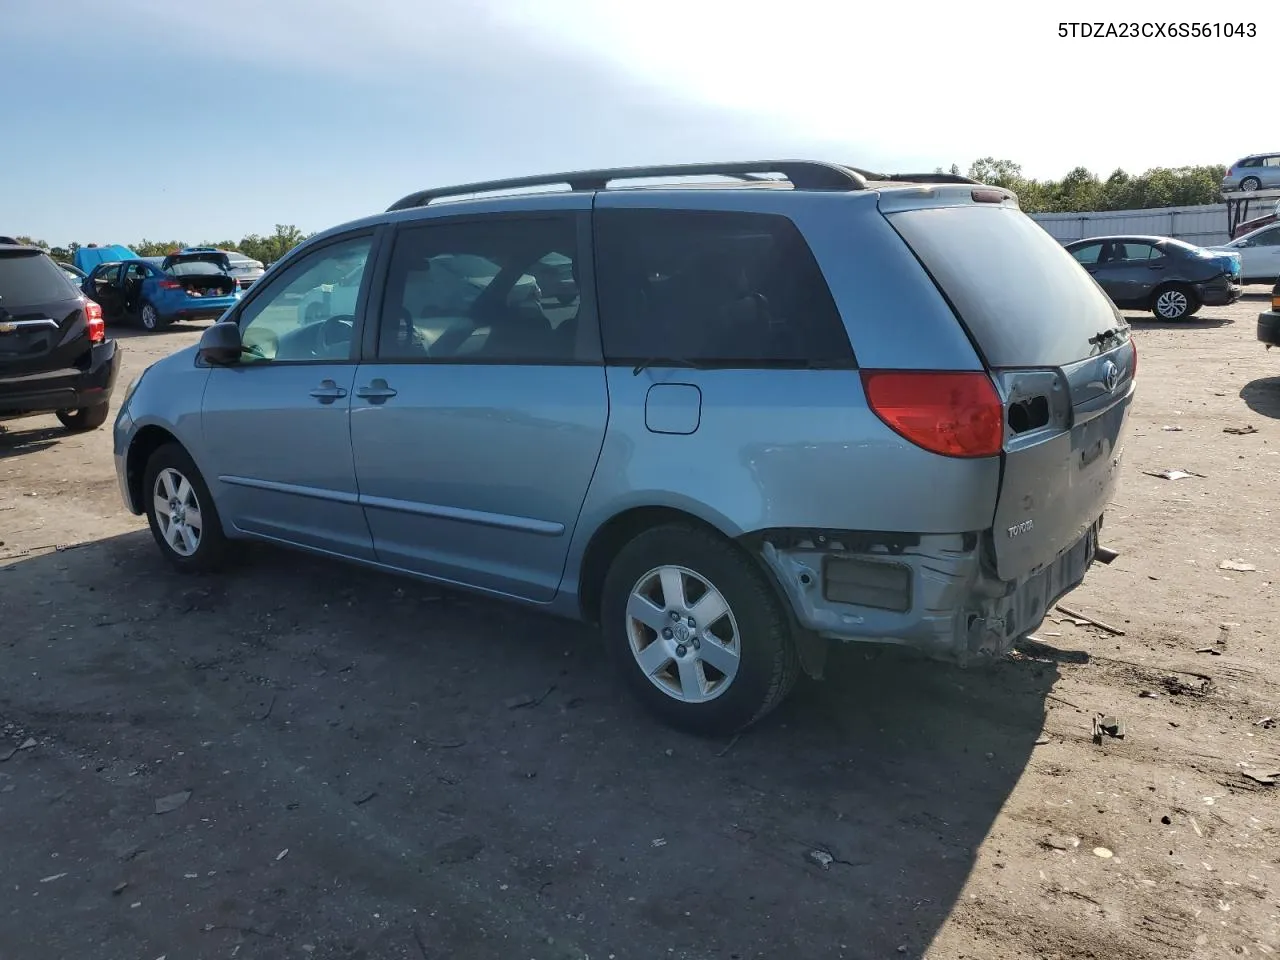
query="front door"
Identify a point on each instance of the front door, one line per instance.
(275, 425)
(107, 291)
(1260, 256)
(478, 423)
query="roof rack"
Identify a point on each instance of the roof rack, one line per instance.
(915, 177)
(803, 175)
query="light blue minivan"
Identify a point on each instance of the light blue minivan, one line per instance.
(768, 406)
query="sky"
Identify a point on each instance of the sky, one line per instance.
(205, 121)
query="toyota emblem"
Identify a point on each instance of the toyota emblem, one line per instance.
(1110, 376)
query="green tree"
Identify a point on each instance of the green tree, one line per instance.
(1080, 191)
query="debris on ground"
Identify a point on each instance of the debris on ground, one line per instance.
(1266, 723)
(172, 802)
(1267, 779)
(282, 854)
(1177, 686)
(1148, 694)
(1169, 429)
(1243, 431)
(1091, 621)
(1041, 741)
(821, 858)
(1059, 841)
(658, 842)
(527, 699)
(1103, 852)
(1104, 725)
(1241, 566)
(119, 888)
(1212, 651)
(28, 744)
(1173, 474)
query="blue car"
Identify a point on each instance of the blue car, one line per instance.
(136, 290)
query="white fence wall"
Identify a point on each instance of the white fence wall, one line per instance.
(1202, 225)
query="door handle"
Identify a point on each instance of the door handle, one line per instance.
(1155, 266)
(376, 392)
(328, 391)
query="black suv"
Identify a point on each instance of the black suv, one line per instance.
(54, 353)
(1269, 322)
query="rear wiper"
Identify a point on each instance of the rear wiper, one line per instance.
(664, 362)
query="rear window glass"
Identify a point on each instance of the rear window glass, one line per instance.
(1024, 299)
(27, 279)
(188, 268)
(714, 287)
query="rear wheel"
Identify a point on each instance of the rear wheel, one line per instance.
(697, 630)
(1174, 303)
(84, 418)
(181, 513)
(150, 317)
(1250, 184)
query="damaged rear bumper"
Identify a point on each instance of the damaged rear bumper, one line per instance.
(934, 593)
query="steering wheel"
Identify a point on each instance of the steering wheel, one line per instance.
(334, 336)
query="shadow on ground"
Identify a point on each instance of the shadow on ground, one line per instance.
(1198, 322)
(18, 439)
(378, 769)
(1262, 396)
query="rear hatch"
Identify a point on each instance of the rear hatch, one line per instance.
(201, 279)
(42, 322)
(1060, 353)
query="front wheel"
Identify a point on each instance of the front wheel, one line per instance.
(1250, 184)
(84, 418)
(1174, 303)
(181, 513)
(151, 319)
(698, 631)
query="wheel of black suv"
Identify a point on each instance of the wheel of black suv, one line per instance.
(84, 418)
(150, 318)
(181, 513)
(697, 630)
(1174, 303)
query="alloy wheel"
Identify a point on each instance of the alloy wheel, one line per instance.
(177, 512)
(683, 635)
(1172, 304)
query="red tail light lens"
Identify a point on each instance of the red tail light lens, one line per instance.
(170, 285)
(97, 326)
(954, 414)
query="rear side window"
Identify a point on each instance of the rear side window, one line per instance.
(716, 287)
(32, 278)
(1024, 299)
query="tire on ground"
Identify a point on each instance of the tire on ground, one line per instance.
(768, 664)
(212, 548)
(84, 418)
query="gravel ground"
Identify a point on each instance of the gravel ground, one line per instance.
(344, 771)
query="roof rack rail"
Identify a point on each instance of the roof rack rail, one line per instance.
(915, 177)
(803, 175)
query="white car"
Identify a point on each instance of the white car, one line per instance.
(1259, 254)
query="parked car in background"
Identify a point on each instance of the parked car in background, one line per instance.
(1259, 254)
(842, 408)
(138, 291)
(1258, 171)
(55, 355)
(1269, 321)
(244, 270)
(89, 256)
(1171, 278)
(1255, 223)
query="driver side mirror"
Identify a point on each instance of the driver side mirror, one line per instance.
(220, 344)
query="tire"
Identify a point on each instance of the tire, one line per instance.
(84, 418)
(1250, 184)
(150, 318)
(1174, 303)
(167, 469)
(677, 687)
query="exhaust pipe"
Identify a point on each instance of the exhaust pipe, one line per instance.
(1103, 555)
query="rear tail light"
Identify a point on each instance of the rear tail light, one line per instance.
(1275, 298)
(170, 285)
(97, 325)
(953, 414)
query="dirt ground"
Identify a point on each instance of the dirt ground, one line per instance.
(361, 785)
